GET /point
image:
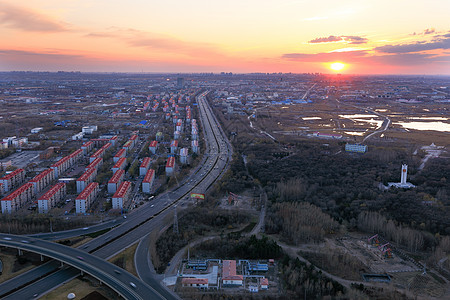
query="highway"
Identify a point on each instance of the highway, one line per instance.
(152, 214)
(124, 283)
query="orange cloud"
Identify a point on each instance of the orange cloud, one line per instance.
(24, 19)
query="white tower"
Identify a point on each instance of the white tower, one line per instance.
(404, 174)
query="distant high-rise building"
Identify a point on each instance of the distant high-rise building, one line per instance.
(180, 82)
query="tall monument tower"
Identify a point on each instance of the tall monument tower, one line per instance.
(404, 174)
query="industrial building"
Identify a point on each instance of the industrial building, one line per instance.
(85, 179)
(87, 196)
(229, 275)
(17, 198)
(119, 165)
(121, 196)
(147, 183)
(89, 129)
(51, 197)
(115, 181)
(201, 283)
(356, 148)
(170, 165)
(145, 165)
(121, 153)
(42, 180)
(12, 180)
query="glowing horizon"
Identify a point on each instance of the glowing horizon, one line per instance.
(234, 36)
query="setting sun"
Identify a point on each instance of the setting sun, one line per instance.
(337, 66)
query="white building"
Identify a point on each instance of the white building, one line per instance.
(36, 130)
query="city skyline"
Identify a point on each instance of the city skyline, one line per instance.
(233, 36)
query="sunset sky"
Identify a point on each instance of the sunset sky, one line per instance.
(369, 37)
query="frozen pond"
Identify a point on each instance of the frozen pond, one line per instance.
(358, 116)
(354, 133)
(436, 126)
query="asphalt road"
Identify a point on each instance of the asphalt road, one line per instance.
(124, 283)
(153, 214)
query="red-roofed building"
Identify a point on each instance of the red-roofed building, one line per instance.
(128, 146)
(113, 140)
(17, 198)
(66, 162)
(170, 165)
(12, 180)
(195, 147)
(134, 139)
(95, 164)
(121, 195)
(87, 147)
(147, 183)
(121, 153)
(201, 283)
(99, 153)
(115, 181)
(229, 276)
(145, 165)
(42, 180)
(264, 283)
(85, 179)
(87, 196)
(55, 194)
(153, 146)
(174, 147)
(120, 165)
(100, 142)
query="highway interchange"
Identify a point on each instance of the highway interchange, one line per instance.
(130, 231)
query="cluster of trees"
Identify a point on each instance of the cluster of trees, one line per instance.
(337, 262)
(305, 282)
(35, 223)
(193, 223)
(413, 240)
(299, 222)
(236, 247)
(235, 179)
(343, 184)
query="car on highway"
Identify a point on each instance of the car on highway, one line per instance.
(132, 285)
(117, 272)
(80, 257)
(24, 241)
(7, 238)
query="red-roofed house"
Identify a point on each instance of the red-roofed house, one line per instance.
(195, 282)
(229, 276)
